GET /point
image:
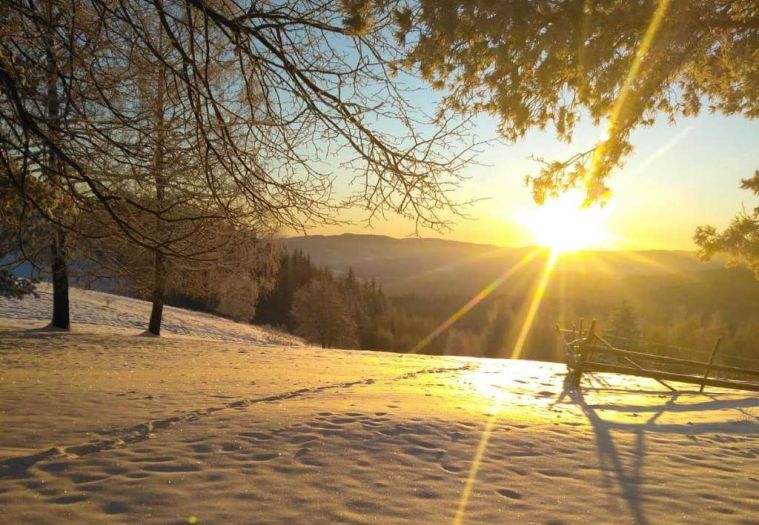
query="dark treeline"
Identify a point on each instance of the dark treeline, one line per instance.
(687, 329)
(346, 312)
(339, 311)
(286, 290)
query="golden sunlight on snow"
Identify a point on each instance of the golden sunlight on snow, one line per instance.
(104, 426)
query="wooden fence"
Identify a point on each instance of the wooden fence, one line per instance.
(587, 351)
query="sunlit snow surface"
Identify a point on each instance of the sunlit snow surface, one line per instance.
(90, 308)
(102, 425)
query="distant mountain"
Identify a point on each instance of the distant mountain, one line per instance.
(437, 265)
(435, 277)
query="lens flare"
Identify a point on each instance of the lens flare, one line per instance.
(562, 226)
(527, 321)
(474, 301)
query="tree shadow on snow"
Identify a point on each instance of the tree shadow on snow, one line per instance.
(629, 479)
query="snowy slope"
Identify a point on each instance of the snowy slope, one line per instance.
(90, 308)
(100, 425)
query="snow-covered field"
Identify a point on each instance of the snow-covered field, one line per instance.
(233, 424)
(96, 309)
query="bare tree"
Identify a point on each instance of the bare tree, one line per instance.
(227, 280)
(309, 92)
(44, 88)
(166, 171)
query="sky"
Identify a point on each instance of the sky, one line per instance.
(679, 176)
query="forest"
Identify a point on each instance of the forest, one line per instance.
(340, 310)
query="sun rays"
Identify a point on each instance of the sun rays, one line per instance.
(532, 309)
(528, 318)
(612, 122)
(562, 228)
(474, 301)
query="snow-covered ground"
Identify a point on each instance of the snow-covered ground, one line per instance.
(100, 425)
(90, 308)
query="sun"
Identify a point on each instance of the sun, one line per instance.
(563, 224)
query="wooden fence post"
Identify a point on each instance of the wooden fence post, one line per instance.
(584, 351)
(709, 366)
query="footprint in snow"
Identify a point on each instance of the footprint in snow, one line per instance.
(303, 438)
(544, 393)
(264, 457)
(511, 494)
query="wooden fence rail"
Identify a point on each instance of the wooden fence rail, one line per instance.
(583, 351)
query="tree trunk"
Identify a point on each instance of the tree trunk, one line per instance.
(159, 291)
(58, 270)
(159, 269)
(61, 317)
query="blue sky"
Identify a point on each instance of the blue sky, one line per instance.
(679, 176)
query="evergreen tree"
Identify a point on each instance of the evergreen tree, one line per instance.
(275, 306)
(496, 334)
(624, 321)
(740, 240)
(623, 62)
(323, 315)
